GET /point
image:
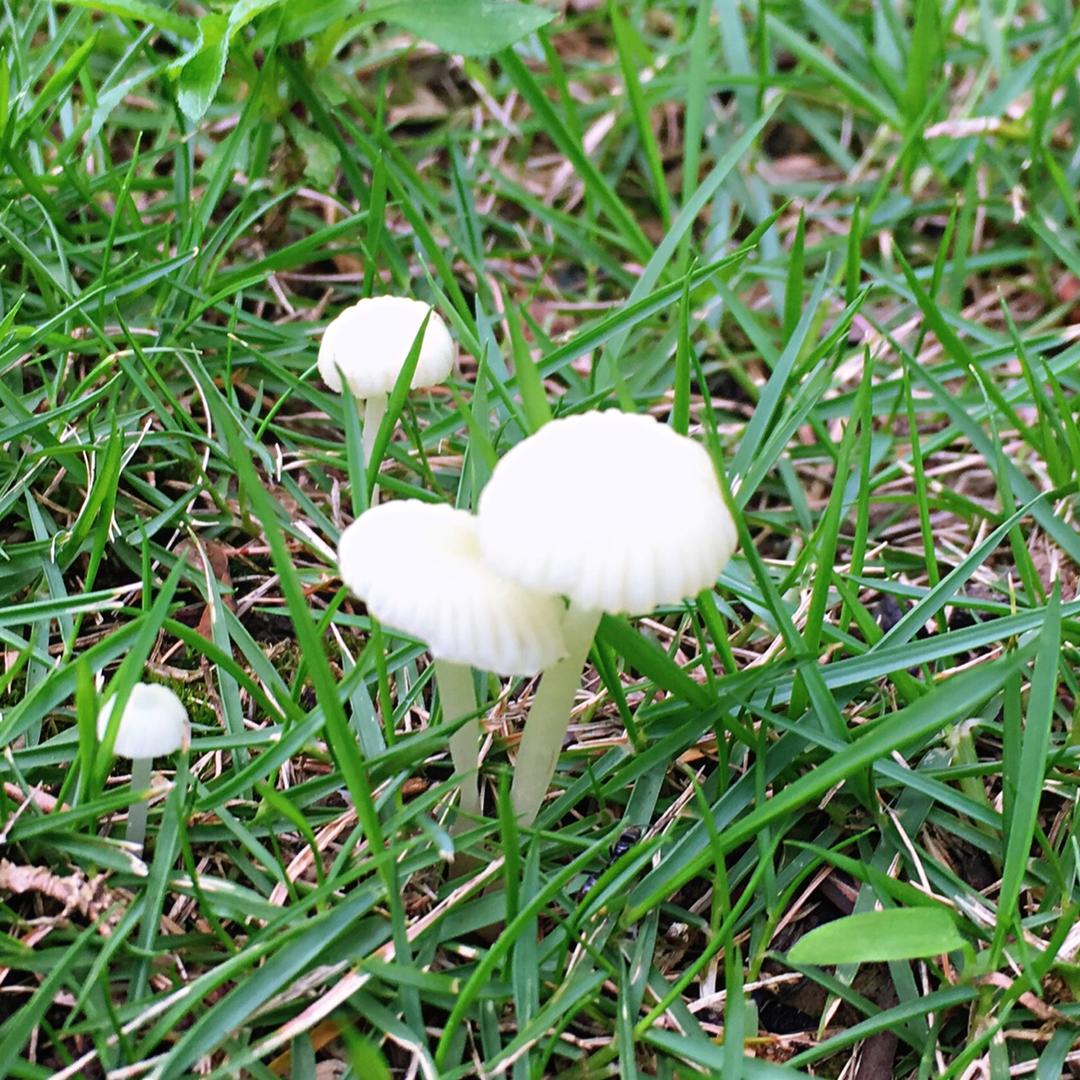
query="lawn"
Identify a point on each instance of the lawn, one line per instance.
(836, 245)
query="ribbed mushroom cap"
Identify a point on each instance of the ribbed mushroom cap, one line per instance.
(154, 723)
(418, 568)
(616, 512)
(370, 342)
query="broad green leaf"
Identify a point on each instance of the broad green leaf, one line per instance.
(307, 19)
(201, 75)
(321, 156)
(879, 936)
(142, 12)
(243, 11)
(469, 27)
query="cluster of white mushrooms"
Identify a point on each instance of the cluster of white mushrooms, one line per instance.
(596, 512)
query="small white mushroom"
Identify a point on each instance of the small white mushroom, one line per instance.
(619, 514)
(418, 568)
(154, 724)
(369, 343)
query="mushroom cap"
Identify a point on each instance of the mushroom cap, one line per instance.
(370, 342)
(154, 723)
(615, 511)
(418, 568)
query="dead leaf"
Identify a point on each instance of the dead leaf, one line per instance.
(89, 898)
(423, 105)
(217, 555)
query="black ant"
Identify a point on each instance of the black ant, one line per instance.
(625, 841)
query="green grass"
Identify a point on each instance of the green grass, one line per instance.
(783, 229)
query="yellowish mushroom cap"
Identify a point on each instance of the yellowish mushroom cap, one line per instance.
(370, 342)
(615, 511)
(154, 723)
(418, 568)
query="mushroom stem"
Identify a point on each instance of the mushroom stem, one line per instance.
(458, 698)
(136, 821)
(374, 411)
(549, 716)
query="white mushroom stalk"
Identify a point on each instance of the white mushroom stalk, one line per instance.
(418, 568)
(619, 514)
(369, 343)
(154, 724)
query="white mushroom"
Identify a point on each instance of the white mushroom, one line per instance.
(369, 343)
(154, 724)
(418, 568)
(614, 511)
